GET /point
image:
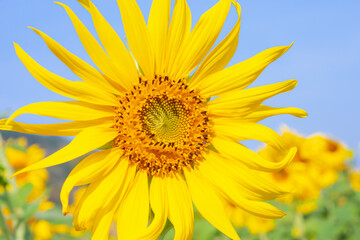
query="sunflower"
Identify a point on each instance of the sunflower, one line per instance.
(316, 165)
(165, 144)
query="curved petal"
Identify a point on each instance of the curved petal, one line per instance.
(240, 75)
(181, 213)
(242, 102)
(100, 193)
(90, 169)
(230, 192)
(76, 90)
(201, 39)
(208, 203)
(138, 36)
(249, 158)
(54, 129)
(179, 31)
(96, 52)
(86, 141)
(133, 212)
(264, 111)
(81, 68)
(106, 214)
(71, 110)
(113, 45)
(254, 184)
(159, 205)
(158, 25)
(239, 131)
(222, 53)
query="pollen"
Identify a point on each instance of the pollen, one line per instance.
(163, 126)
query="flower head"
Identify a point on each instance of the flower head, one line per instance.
(168, 145)
(20, 155)
(315, 166)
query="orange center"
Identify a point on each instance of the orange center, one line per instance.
(163, 126)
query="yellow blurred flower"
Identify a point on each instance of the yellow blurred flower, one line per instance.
(314, 167)
(355, 180)
(19, 155)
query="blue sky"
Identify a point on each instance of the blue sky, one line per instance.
(325, 57)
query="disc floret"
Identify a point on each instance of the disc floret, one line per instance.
(163, 126)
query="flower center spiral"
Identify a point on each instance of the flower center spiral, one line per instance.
(162, 125)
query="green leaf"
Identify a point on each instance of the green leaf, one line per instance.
(30, 210)
(18, 199)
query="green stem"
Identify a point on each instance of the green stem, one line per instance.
(4, 228)
(263, 236)
(299, 224)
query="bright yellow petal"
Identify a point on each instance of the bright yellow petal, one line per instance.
(100, 193)
(201, 39)
(249, 158)
(133, 212)
(105, 216)
(208, 203)
(96, 52)
(115, 48)
(231, 193)
(242, 102)
(239, 131)
(253, 184)
(81, 68)
(86, 141)
(71, 110)
(222, 53)
(240, 75)
(89, 170)
(159, 205)
(138, 36)
(158, 25)
(77, 90)
(179, 31)
(55, 129)
(264, 111)
(181, 213)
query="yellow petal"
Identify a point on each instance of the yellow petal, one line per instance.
(115, 48)
(158, 24)
(96, 52)
(239, 131)
(181, 213)
(105, 216)
(138, 36)
(230, 192)
(222, 53)
(100, 193)
(264, 111)
(71, 110)
(133, 212)
(76, 90)
(253, 185)
(86, 141)
(159, 205)
(201, 39)
(242, 102)
(81, 68)
(240, 75)
(249, 158)
(179, 31)
(55, 129)
(89, 170)
(208, 203)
